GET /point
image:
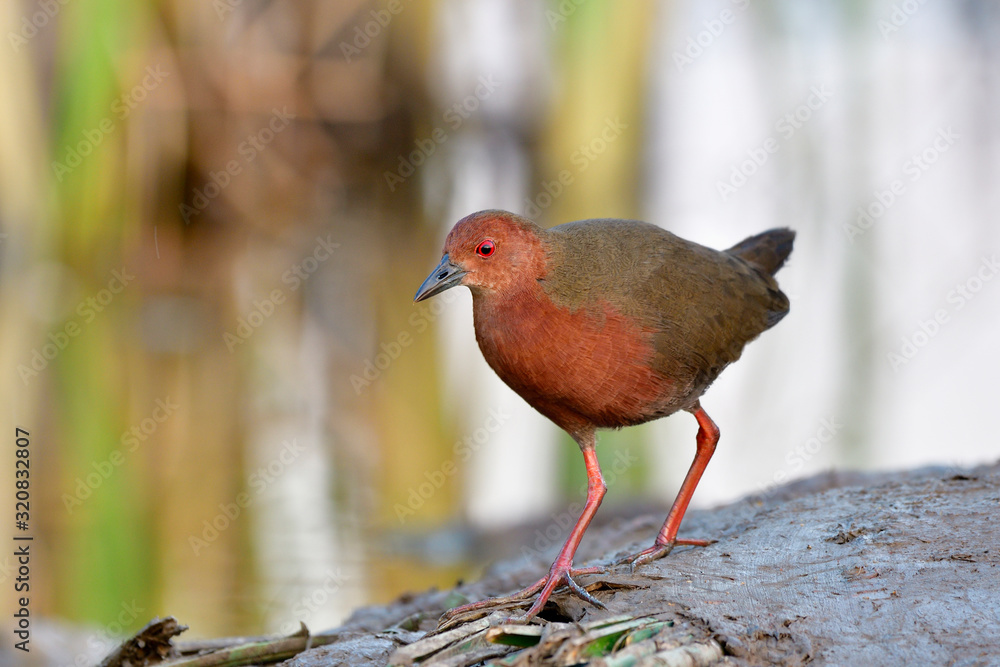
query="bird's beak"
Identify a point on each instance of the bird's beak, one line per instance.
(446, 275)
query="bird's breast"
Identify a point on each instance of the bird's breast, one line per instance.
(591, 365)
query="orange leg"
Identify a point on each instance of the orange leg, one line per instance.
(562, 571)
(666, 539)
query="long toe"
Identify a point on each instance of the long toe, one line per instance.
(557, 578)
(581, 592)
(658, 551)
(655, 552)
(467, 612)
(473, 610)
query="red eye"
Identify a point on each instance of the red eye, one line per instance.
(486, 248)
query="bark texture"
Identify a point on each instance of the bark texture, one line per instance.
(885, 569)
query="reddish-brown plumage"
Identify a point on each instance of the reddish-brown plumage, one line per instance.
(581, 369)
(609, 323)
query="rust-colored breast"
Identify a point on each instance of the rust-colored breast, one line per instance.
(589, 367)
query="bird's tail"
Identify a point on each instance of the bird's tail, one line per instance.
(767, 250)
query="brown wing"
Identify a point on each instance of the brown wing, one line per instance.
(702, 305)
(712, 304)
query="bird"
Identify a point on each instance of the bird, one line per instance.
(608, 323)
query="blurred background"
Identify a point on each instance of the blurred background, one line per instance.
(214, 215)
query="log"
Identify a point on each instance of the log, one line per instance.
(865, 569)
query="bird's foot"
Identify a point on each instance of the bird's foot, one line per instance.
(557, 576)
(658, 551)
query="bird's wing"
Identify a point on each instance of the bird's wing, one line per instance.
(701, 305)
(710, 305)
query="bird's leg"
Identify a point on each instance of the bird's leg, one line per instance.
(666, 539)
(562, 571)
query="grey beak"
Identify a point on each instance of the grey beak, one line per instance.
(445, 276)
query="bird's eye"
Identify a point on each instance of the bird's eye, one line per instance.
(486, 248)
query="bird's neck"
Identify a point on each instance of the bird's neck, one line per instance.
(512, 313)
(516, 299)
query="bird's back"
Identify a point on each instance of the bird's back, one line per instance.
(700, 306)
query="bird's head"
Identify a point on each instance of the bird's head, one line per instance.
(488, 251)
